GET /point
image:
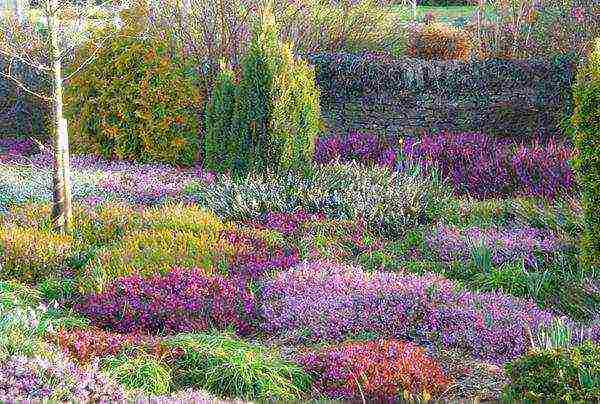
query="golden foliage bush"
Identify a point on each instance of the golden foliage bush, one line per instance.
(135, 100)
(436, 41)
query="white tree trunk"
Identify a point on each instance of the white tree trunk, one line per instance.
(62, 209)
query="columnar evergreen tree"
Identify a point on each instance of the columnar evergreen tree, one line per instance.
(219, 136)
(586, 122)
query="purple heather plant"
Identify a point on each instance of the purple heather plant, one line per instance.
(180, 301)
(485, 167)
(25, 379)
(326, 301)
(532, 245)
(357, 146)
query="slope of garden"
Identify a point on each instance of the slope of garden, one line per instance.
(251, 255)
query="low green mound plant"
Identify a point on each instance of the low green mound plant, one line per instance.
(142, 372)
(229, 367)
(556, 374)
(134, 100)
(586, 121)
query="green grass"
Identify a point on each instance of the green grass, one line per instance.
(449, 12)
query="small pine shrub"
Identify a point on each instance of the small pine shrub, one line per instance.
(586, 121)
(254, 105)
(29, 255)
(231, 367)
(134, 100)
(296, 112)
(220, 137)
(439, 42)
(556, 374)
(274, 118)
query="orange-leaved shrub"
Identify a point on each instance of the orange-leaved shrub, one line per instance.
(135, 100)
(436, 41)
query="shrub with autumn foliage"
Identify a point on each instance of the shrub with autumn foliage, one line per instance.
(439, 41)
(86, 345)
(29, 255)
(180, 301)
(379, 371)
(135, 100)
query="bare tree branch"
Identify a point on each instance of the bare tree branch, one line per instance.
(24, 87)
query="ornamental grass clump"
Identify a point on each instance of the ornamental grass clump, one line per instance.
(379, 371)
(142, 372)
(326, 301)
(183, 300)
(230, 367)
(586, 121)
(389, 202)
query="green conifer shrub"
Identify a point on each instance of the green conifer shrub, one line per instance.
(268, 120)
(296, 112)
(586, 124)
(254, 104)
(219, 136)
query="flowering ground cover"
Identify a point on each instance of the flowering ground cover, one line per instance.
(391, 270)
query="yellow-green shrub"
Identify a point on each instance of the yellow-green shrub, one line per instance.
(586, 121)
(29, 255)
(154, 252)
(110, 223)
(134, 100)
(439, 42)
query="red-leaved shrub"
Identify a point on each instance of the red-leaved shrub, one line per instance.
(378, 370)
(86, 345)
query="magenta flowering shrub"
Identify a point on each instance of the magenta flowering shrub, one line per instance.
(379, 371)
(11, 149)
(485, 167)
(542, 169)
(25, 379)
(476, 164)
(254, 256)
(356, 146)
(326, 301)
(180, 301)
(287, 223)
(534, 246)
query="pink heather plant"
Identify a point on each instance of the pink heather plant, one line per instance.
(326, 301)
(180, 301)
(25, 379)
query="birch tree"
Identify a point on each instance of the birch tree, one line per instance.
(44, 55)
